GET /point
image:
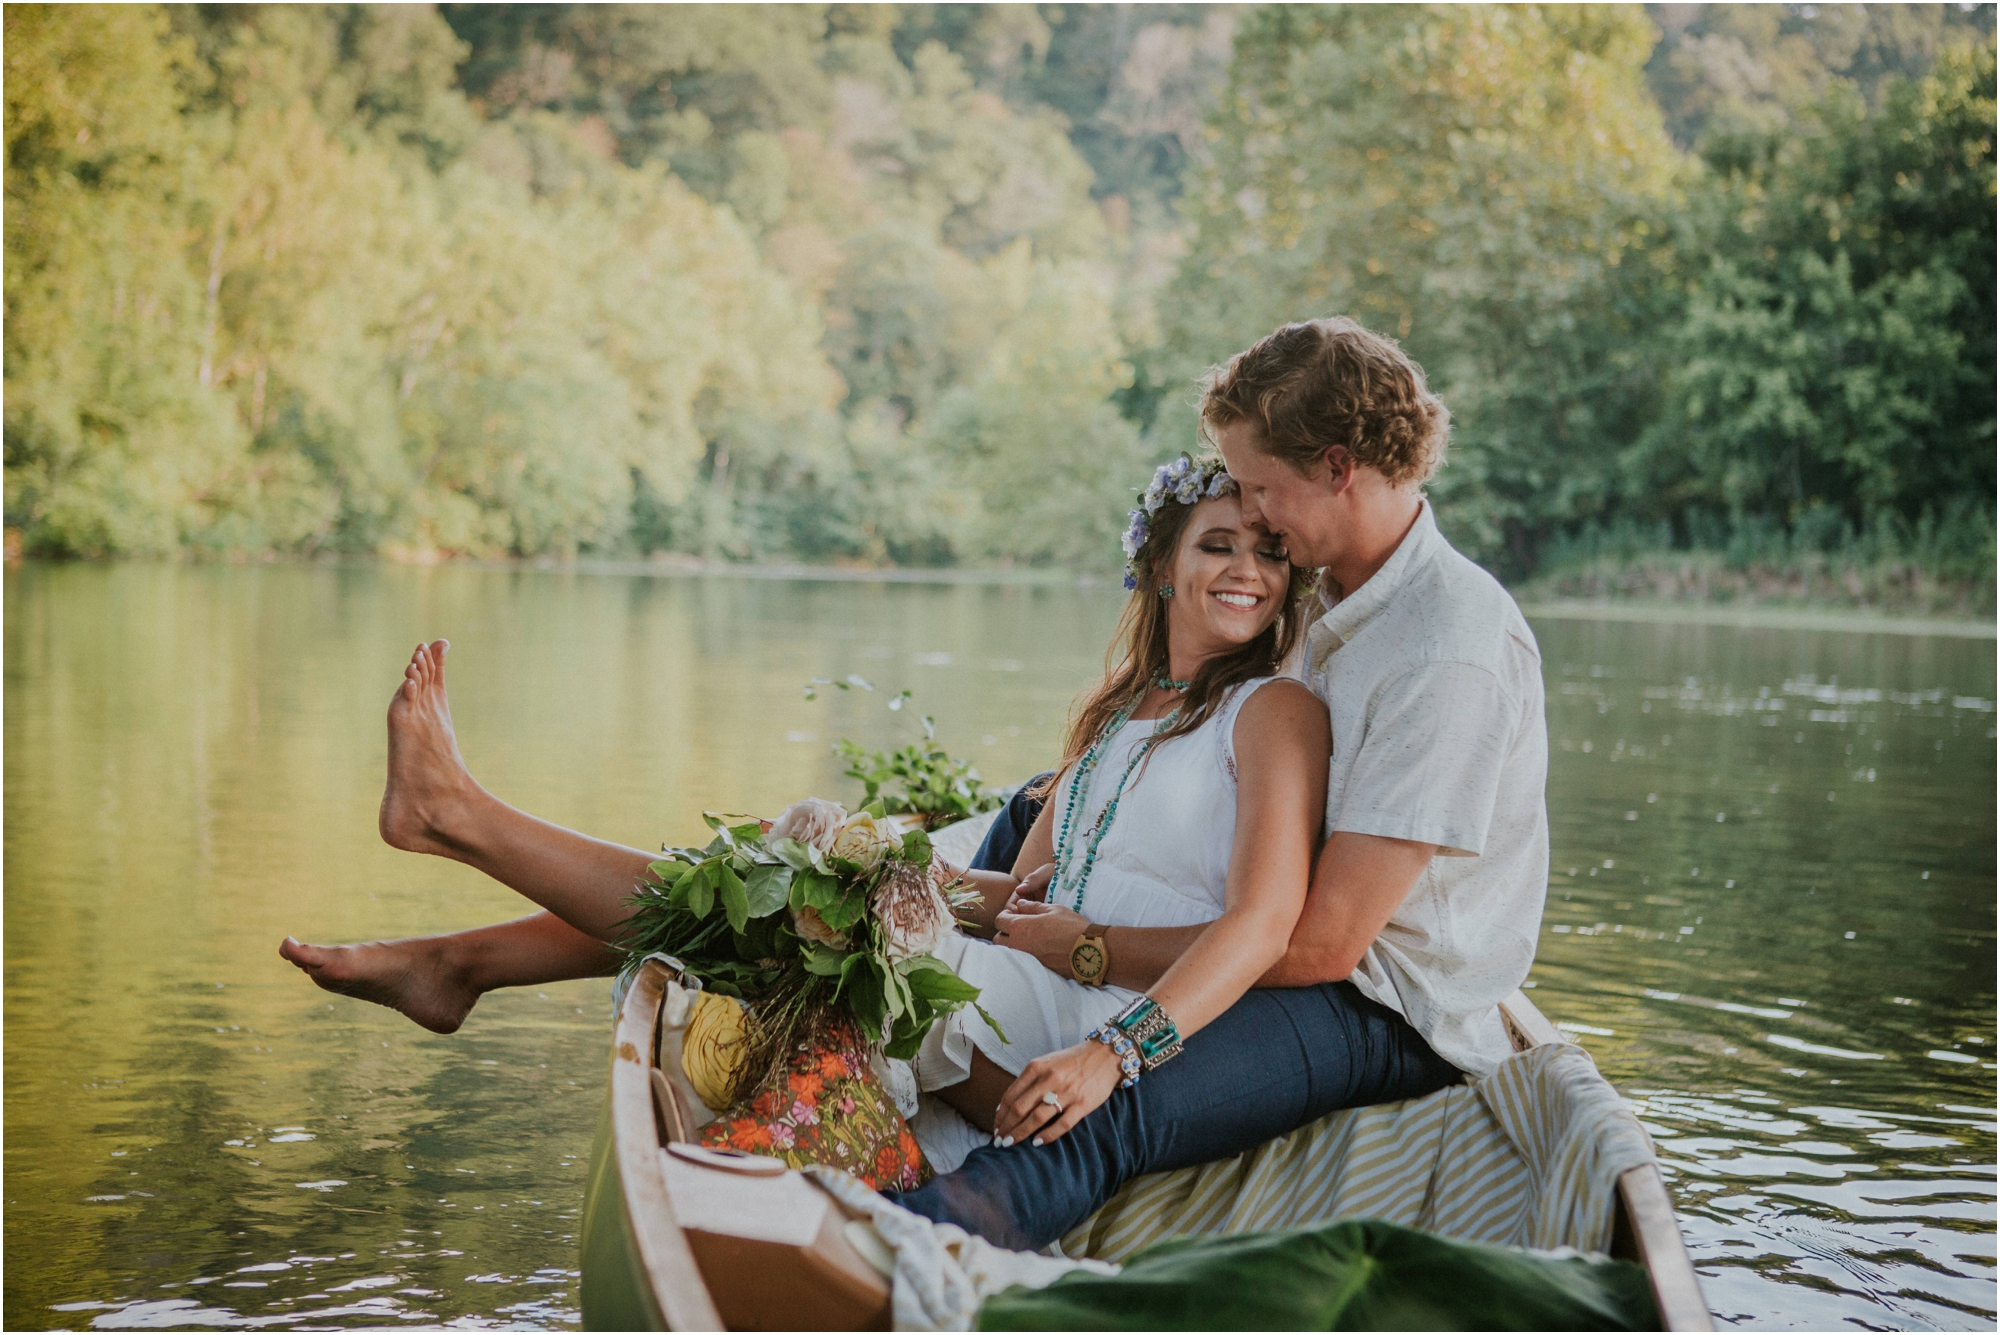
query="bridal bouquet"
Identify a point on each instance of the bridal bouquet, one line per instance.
(810, 919)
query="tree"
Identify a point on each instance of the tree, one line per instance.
(1838, 351)
(110, 438)
(1483, 183)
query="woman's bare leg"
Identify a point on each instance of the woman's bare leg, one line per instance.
(433, 805)
(977, 1097)
(435, 980)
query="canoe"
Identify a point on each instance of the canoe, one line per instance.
(643, 1270)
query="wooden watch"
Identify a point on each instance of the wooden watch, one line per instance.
(1090, 957)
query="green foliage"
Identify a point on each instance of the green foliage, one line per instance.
(731, 911)
(930, 284)
(1482, 182)
(920, 779)
(534, 281)
(1800, 321)
(1837, 350)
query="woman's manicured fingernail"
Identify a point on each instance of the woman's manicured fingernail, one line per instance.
(1004, 1142)
(1036, 1141)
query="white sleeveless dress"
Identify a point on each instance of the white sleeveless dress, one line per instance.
(1164, 862)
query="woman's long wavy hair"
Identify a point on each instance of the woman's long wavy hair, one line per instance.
(1138, 654)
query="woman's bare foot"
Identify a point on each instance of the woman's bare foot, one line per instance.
(429, 785)
(415, 976)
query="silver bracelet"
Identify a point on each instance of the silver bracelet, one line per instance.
(1128, 1056)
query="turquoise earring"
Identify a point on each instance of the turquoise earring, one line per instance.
(1166, 590)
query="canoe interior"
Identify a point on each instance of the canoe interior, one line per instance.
(640, 1274)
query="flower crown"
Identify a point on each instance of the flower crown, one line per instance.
(1185, 480)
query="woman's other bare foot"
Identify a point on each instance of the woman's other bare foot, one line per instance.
(429, 785)
(415, 976)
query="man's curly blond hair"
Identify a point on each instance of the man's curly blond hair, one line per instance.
(1320, 383)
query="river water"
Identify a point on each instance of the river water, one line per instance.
(1770, 919)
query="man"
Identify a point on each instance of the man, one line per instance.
(1426, 899)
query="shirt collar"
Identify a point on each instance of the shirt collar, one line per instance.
(1344, 619)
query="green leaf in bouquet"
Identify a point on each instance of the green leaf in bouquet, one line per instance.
(906, 1035)
(665, 872)
(745, 828)
(844, 910)
(797, 856)
(896, 993)
(823, 960)
(767, 887)
(735, 898)
(936, 982)
(861, 984)
(700, 889)
(987, 1016)
(763, 942)
(877, 808)
(917, 848)
(814, 890)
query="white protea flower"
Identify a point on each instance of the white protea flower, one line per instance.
(914, 916)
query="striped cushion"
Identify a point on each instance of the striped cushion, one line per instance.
(1527, 1157)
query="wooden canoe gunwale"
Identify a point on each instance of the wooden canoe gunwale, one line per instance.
(658, 1244)
(1644, 1228)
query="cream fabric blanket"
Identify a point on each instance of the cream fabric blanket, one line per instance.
(1527, 1157)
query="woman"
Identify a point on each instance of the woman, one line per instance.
(1192, 792)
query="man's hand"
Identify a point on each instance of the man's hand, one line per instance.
(1036, 886)
(1360, 882)
(1043, 930)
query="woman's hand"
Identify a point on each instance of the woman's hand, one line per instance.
(1042, 930)
(1081, 1079)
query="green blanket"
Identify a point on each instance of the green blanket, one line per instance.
(1355, 1275)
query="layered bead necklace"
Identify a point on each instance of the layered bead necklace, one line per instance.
(1075, 858)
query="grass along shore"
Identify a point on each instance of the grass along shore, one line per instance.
(1815, 583)
(1691, 588)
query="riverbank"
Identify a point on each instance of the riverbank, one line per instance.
(1755, 616)
(1564, 596)
(1809, 584)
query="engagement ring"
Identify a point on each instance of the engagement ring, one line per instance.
(1052, 1101)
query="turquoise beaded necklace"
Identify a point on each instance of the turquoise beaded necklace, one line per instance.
(1071, 878)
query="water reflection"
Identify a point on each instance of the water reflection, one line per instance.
(1771, 919)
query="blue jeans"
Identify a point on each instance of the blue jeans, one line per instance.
(1275, 1061)
(1010, 830)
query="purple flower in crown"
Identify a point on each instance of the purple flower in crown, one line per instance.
(1186, 481)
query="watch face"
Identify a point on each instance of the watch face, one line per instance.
(1086, 961)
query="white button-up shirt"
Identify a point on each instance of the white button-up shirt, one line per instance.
(1434, 684)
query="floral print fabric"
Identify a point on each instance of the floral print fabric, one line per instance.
(830, 1109)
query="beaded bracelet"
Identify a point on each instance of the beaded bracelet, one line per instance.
(1151, 1030)
(1129, 1060)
